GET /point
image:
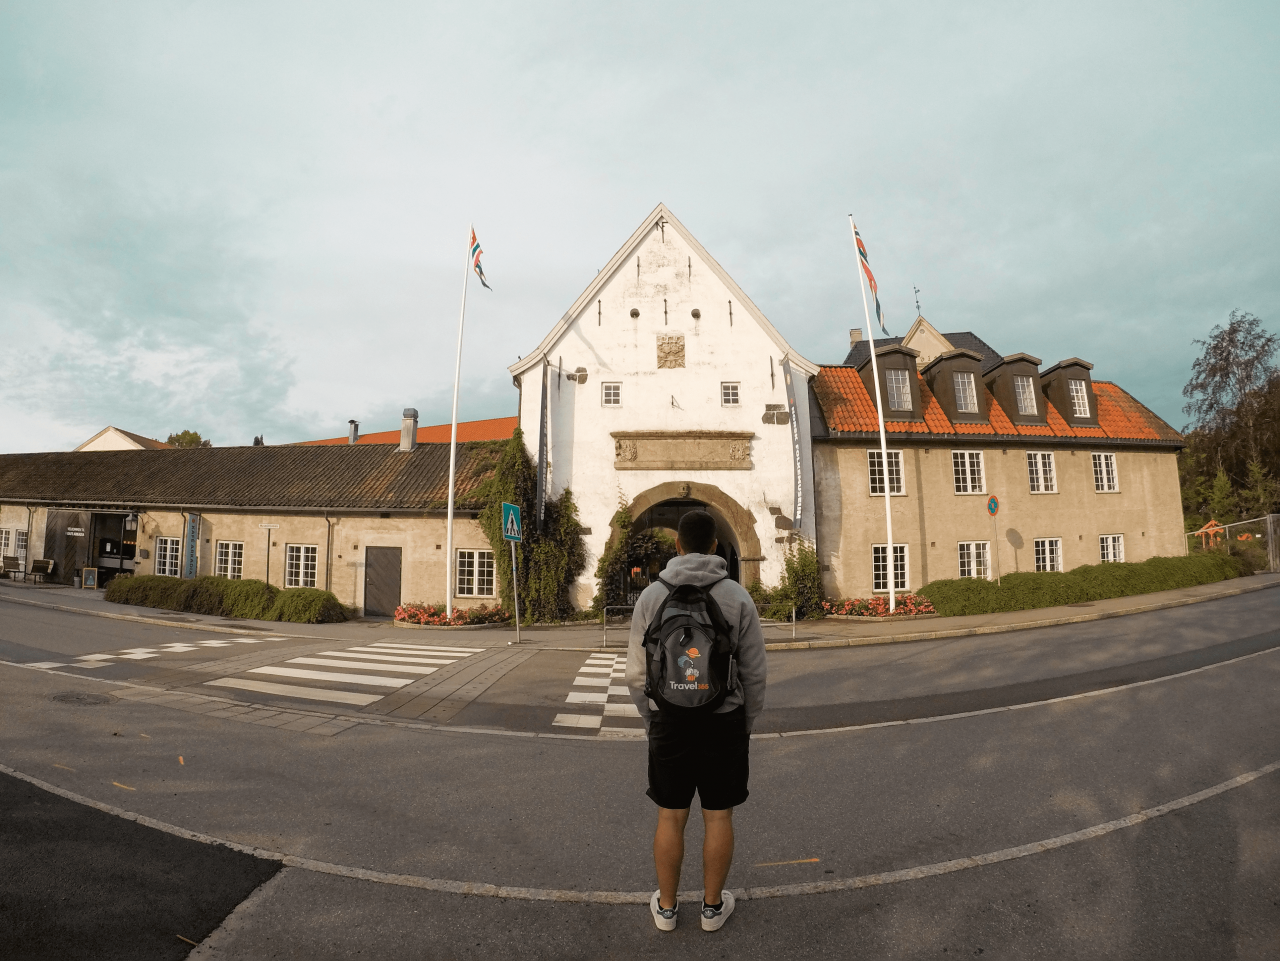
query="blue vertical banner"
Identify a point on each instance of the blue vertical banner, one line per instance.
(191, 559)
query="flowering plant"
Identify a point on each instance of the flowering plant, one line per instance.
(435, 615)
(878, 606)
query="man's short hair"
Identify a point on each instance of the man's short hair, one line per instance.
(697, 532)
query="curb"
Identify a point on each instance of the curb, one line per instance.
(446, 627)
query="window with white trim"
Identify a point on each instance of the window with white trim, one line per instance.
(875, 472)
(1048, 553)
(1079, 398)
(966, 466)
(880, 567)
(300, 565)
(167, 550)
(1111, 548)
(966, 393)
(975, 559)
(1105, 479)
(728, 394)
(611, 395)
(475, 574)
(20, 546)
(1025, 392)
(899, 390)
(228, 560)
(4, 543)
(1040, 473)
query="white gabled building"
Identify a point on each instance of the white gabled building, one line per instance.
(665, 388)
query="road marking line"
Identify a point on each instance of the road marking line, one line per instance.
(290, 690)
(47, 664)
(484, 889)
(333, 662)
(592, 681)
(619, 690)
(621, 710)
(577, 720)
(137, 657)
(379, 653)
(370, 680)
(776, 864)
(595, 670)
(65, 768)
(460, 651)
(585, 697)
(96, 657)
(125, 786)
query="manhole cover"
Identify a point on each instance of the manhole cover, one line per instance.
(83, 698)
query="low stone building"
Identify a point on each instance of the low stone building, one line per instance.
(364, 521)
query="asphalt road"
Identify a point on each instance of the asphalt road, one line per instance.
(570, 814)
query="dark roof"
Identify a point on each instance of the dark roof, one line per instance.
(349, 477)
(148, 443)
(860, 352)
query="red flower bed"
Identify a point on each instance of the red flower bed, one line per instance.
(878, 606)
(435, 614)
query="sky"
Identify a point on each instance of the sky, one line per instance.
(251, 218)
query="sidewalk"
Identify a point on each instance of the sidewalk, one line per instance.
(827, 633)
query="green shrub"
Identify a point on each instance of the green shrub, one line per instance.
(800, 588)
(150, 590)
(250, 599)
(1026, 591)
(307, 605)
(207, 595)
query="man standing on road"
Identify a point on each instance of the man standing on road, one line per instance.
(696, 672)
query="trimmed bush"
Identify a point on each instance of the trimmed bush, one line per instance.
(1095, 582)
(220, 597)
(307, 605)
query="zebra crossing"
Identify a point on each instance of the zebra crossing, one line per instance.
(90, 662)
(601, 700)
(356, 676)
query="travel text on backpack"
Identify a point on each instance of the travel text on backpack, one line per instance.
(688, 652)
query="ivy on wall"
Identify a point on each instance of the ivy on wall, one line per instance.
(548, 562)
(648, 549)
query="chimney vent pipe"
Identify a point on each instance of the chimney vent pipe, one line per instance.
(353, 435)
(855, 336)
(409, 429)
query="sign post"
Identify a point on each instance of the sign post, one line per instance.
(993, 508)
(269, 528)
(512, 535)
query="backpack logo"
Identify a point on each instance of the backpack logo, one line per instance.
(686, 664)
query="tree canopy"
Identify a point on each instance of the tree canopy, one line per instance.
(188, 438)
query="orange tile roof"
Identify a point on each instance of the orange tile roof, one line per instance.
(495, 428)
(849, 409)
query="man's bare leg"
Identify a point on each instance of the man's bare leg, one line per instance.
(717, 853)
(668, 853)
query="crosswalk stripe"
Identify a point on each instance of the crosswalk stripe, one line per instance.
(461, 651)
(373, 654)
(586, 697)
(593, 681)
(292, 690)
(371, 680)
(334, 662)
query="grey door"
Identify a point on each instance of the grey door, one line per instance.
(381, 581)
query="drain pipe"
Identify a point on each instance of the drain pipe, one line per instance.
(30, 520)
(328, 551)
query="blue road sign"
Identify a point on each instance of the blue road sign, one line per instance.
(993, 505)
(511, 522)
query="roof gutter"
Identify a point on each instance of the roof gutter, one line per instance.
(72, 504)
(1037, 440)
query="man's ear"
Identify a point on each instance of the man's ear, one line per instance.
(679, 548)
(712, 548)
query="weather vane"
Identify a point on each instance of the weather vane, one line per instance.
(917, 290)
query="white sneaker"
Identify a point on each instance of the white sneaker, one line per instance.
(713, 919)
(665, 918)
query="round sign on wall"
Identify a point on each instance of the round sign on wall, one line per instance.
(993, 505)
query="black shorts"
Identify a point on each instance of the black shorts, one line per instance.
(707, 754)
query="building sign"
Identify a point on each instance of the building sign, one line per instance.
(191, 559)
(75, 532)
(795, 444)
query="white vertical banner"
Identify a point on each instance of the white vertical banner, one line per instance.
(796, 452)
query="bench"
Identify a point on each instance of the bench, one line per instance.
(41, 568)
(13, 567)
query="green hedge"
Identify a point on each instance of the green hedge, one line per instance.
(1021, 592)
(220, 597)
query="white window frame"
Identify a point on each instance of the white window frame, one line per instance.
(730, 395)
(1079, 398)
(975, 558)
(875, 474)
(5, 537)
(168, 556)
(1106, 474)
(962, 472)
(477, 573)
(1042, 472)
(300, 564)
(1025, 397)
(893, 386)
(228, 560)
(901, 568)
(20, 546)
(1111, 548)
(605, 400)
(1048, 554)
(969, 391)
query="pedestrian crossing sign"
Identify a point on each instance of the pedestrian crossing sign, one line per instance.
(511, 522)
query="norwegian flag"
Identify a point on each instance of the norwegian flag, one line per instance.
(475, 263)
(871, 280)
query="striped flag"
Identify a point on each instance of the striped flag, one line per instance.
(475, 263)
(871, 280)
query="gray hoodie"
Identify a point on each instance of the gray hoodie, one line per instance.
(738, 609)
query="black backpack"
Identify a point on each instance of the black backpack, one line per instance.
(690, 667)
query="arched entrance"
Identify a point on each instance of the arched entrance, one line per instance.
(662, 506)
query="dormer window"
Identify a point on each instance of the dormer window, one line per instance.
(899, 389)
(1079, 398)
(966, 394)
(1026, 393)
